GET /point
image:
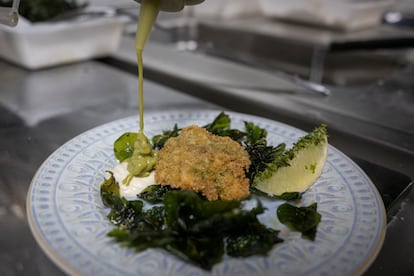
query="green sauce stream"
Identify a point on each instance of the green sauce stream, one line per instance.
(147, 15)
(143, 159)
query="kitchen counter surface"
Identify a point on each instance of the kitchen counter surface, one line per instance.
(41, 110)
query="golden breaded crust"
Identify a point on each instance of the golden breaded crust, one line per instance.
(200, 161)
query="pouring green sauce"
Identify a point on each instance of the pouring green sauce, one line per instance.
(143, 158)
(147, 15)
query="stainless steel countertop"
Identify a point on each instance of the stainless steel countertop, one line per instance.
(40, 110)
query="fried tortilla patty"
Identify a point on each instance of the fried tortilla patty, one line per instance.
(203, 162)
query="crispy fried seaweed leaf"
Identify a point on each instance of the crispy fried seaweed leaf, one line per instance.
(211, 223)
(221, 126)
(138, 228)
(290, 196)
(301, 219)
(141, 240)
(222, 121)
(155, 193)
(254, 133)
(285, 196)
(109, 190)
(186, 208)
(158, 141)
(256, 239)
(191, 227)
(261, 154)
(124, 213)
(204, 252)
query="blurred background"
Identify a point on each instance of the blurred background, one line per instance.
(347, 63)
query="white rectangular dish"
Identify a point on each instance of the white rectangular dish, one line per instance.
(39, 45)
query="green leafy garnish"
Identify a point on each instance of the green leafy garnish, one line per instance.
(109, 190)
(256, 239)
(221, 126)
(155, 193)
(220, 123)
(158, 141)
(290, 196)
(124, 212)
(301, 219)
(124, 145)
(192, 227)
(254, 134)
(261, 155)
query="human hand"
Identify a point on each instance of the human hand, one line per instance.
(175, 5)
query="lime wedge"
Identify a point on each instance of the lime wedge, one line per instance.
(298, 168)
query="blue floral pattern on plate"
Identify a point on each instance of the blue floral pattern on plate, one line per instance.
(69, 221)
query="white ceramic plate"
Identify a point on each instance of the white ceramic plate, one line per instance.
(69, 221)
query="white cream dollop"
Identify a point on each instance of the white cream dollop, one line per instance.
(137, 184)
